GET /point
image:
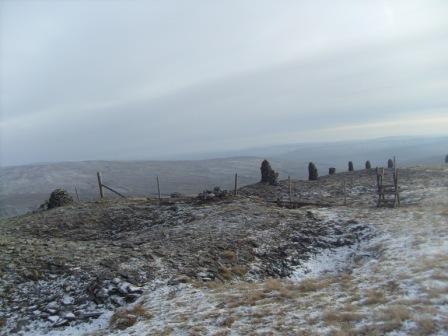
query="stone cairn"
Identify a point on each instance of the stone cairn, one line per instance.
(368, 165)
(312, 172)
(59, 197)
(331, 171)
(268, 175)
(216, 193)
(350, 166)
(390, 163)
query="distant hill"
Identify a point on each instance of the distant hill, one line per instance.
(24, 188)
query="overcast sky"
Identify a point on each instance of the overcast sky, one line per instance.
(136, 79)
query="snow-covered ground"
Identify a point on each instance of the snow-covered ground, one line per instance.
(394, 283)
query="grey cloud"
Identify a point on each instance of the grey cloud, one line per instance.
(141, 81)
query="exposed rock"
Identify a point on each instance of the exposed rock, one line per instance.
(368, 165)
(68, 300)
(331, 171)
(216, 193)
(69, 316)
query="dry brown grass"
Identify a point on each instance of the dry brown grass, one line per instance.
(121, 319)
(124, 318)
(223, 332)
(239, 270)
(271, 285)
(337, 317)
(209, 284)
(436, 262)
(227, 322)
(225, 272)
(229, 255)
(197, 331)
(439, 276)
(346, 330)
(310, 285)
(389, 326)
(374, 296)
(436, 291)
(425, 326)
(280, 290)
(398, 313)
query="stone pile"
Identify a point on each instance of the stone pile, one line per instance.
(350, 166)
(390, 163)
(66, 300)
(268, 175)
(59, 197)
(216, 193)
(312, 172)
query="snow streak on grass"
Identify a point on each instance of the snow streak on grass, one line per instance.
(396, 283)
(401, 288)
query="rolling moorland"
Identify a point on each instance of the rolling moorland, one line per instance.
(24, 188)
(235, 265)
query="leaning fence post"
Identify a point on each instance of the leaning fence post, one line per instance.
(236, 185)
(158, 187)
(76, 192)
(100, 184)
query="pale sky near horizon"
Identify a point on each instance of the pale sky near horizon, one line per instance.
(116, 79)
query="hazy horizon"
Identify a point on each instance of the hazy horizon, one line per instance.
(144, 79)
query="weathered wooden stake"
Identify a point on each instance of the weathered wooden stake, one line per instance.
(236, 185)
(76, 192)
(290, 189)
(158, 187)
(100, 184)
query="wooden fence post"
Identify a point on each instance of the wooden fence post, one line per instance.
(158, 187)
(76, 192)
(236, 185)
(100, 184)
(290, 189)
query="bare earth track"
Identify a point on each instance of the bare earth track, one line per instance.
(236, 266)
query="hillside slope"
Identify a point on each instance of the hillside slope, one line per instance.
(235, 266)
